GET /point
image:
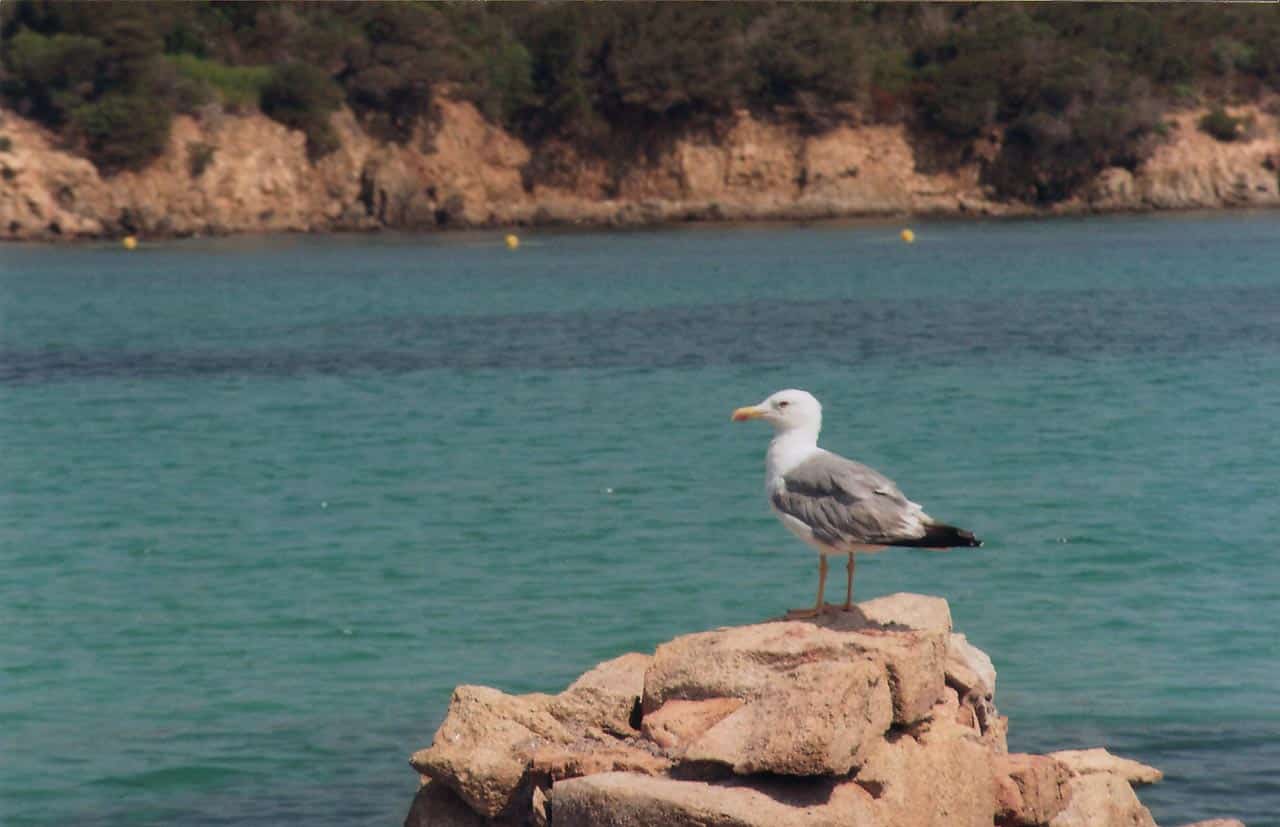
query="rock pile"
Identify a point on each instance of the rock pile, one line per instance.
(873, 718)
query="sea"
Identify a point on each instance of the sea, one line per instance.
(264, 501)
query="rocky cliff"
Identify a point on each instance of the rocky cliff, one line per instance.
(224, 173)
(879, 717)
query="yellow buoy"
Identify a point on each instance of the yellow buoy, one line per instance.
(908, 236)
(129, 242)
(512, 242)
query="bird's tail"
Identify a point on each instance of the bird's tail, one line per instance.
(941, 535)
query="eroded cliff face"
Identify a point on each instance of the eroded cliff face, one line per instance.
(878, 717)
(1193, 170)
(226, 173)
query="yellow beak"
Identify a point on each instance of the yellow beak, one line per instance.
(749, 412)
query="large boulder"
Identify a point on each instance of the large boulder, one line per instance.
(491, 742)
(969, 669)
(904, 610)
(555, 762)
(436, 805)
(624, 800)
(819, 720)
(1102, 800)
(483, 748)
(607, 697)
(748, 661)
(1098, 760)
(1030, 789)
(676, 724)
(942, 777)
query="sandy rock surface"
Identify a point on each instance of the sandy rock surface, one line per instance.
(821, 720)
(1030, 789)
(483, 748)
(1098, 760)
(621, 800)
(745, 662)
(1102, 800)
(677, 724)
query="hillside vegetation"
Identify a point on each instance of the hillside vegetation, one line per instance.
(1056, 92)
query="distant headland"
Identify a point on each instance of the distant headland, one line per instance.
(469, 173)
(177, 119)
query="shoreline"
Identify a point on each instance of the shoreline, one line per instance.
(468, 174)
(589, 228)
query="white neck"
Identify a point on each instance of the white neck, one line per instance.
(787, 450)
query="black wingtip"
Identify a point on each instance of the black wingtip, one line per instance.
(940, 535)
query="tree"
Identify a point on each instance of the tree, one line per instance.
(302, 97)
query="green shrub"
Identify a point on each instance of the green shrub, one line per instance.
(1221, 126)
(958, 100)
(407, 51)
(1229, 55)
(302, 97)
(799, 51)
(50, 76)
(508, 86)
(888, 83)
(122, 131)
(1088, 115)
(670, 61)
(236, 86)
(560, 51)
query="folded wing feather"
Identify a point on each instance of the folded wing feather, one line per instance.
(847, 503)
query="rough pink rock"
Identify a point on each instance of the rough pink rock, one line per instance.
(606, 697)
(744, 662)
(436, 805)
(921, 612)
(557, 762)
(482, 749)
(942, 779)
(1102, 800)
(1031, 789)
(676, 724)
(969, 669)
(624, 800)
(820, 720)
(1097, 760)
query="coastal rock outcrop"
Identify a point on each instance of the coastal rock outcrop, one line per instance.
(878, 717)
(1192, 170)
(233, 173)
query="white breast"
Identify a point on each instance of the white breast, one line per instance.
(786, 451)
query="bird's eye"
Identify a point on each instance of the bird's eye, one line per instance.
(784, 403)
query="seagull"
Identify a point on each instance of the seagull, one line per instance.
(834, 504)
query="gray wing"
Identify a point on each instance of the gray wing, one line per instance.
(845, 502)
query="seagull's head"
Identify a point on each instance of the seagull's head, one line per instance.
(787, 410)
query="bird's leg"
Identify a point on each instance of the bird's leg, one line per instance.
(822, 582)
(848, 589)
(822, 585)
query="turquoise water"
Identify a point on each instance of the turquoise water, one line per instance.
(266, 501)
